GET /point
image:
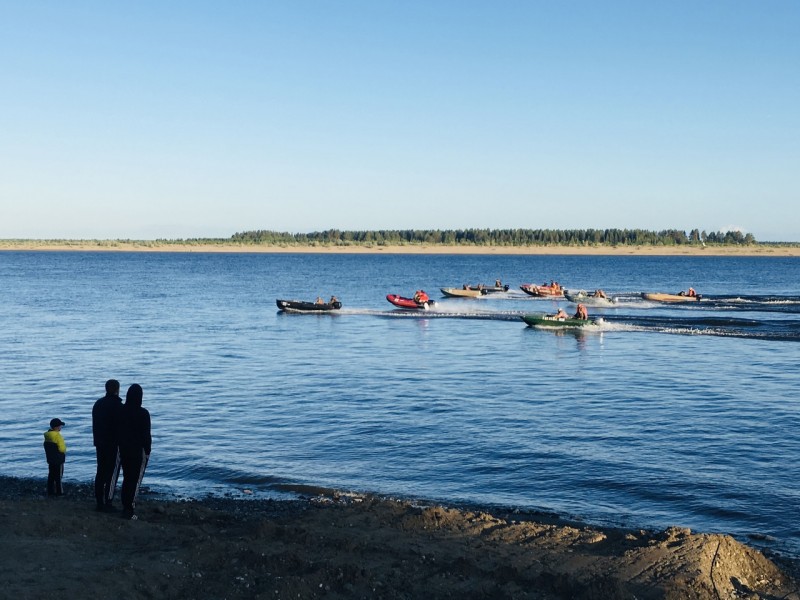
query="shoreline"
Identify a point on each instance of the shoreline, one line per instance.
(154, 246)
(339, 545)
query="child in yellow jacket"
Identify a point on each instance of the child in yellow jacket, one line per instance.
(56, 451)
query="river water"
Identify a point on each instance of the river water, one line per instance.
(662, 415)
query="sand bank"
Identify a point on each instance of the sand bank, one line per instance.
(148, 246)
(331, 545)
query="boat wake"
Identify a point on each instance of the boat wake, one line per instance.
(718, 317)
(767, 329)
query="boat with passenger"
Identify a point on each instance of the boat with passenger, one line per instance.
(596, 298)
(690, 296)
(318, 306)
(420, 301)
(553, 289)
(464, 292)
(558, 322)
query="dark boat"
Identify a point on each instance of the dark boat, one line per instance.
(300, 306)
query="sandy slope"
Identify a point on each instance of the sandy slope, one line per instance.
(344, 546)
(133, 246)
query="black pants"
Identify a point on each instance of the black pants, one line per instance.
(105, 479)
(54, 474)
(134, 463)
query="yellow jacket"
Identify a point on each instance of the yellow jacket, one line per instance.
(55, 436)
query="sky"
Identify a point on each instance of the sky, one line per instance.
(193, 119)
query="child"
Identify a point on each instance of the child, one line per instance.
(56, 451)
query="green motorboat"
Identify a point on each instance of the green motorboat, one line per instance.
(542, 320)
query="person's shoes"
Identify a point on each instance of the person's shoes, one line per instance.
(127, 513)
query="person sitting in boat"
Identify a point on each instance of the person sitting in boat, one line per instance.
(498, 283)
(420, 297)
(561, 314)
(319, 300)
(600, 294)
(333, 300)
(691, 293)
(581, 313)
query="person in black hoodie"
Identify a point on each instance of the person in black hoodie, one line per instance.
(104, 431)
(134, 447)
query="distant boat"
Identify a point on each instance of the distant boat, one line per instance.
(301, 306)
(581, 297)
(463, 293)
(541, 320)
(542, 291)
(410, 303)
(671, 298)
(489, 289)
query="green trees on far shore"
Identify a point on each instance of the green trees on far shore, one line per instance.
(496, 237)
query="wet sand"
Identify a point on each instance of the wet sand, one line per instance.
(334, 545)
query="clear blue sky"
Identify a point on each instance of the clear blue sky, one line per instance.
(190, 119)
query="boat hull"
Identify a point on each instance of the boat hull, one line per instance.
(408, 303)
(540, 320)
(489, 289)
(588, 299)
(542, 291)
(671, 298)
(309, 307)
(462, 293)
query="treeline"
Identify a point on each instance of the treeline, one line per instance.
(496, 237)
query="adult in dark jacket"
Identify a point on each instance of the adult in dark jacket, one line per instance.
(105, 414)
(134, 447)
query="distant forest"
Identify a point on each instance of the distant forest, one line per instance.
(496, 237)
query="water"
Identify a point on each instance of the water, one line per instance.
(663, 415)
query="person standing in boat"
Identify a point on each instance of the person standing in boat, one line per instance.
(581, 313)
(104, 432)
(135, 443)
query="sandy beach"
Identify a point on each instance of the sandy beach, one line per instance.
(334, 545)
(160, 246)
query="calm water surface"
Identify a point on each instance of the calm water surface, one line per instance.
(662, 415)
